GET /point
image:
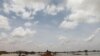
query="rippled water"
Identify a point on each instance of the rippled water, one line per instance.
(82, 54)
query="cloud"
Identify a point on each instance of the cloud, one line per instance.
(68, 24)
(63, 40)
(26, 15)
(36, 22)
(28, 24)
(33, 6)
(21, 32)
(4, 23)
(53, 9)
(18, 6)
(83, 11)
(3, 35)
(91, 37)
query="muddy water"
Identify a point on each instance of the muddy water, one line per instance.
(66, 54)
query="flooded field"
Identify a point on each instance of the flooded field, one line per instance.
(60, 54)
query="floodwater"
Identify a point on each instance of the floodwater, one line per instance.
(60, 54)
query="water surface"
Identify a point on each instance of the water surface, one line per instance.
(60, 54)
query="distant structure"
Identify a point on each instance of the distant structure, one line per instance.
(47, 53)
(86, 52)
(19, 54)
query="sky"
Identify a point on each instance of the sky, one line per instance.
(56, 25)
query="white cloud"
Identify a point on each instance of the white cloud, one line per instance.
(68, 24)
(3, 34)
(36, 22)
(91, 37)
(21, 32)
(73, 5)
(53, 9)
(4, 23)
(83, 11)
(26, 15)
(83, 16)
(18, 6)
(63, 40)
(28, 24)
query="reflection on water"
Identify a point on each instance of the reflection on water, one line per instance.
(60, 54)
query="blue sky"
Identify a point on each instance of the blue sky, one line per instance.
(49, 24)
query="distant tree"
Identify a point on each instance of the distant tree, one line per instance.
(94, 50)
(86, 52)
(32, 52)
